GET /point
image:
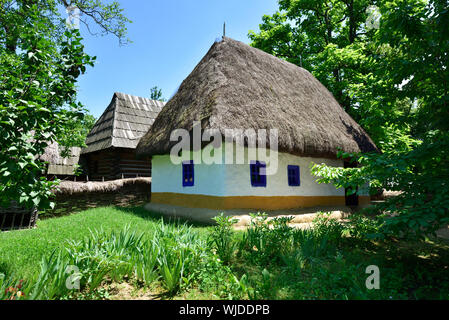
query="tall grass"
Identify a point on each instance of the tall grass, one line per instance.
(180, 253)
(266, 261)
(172, 256)
(221, 239)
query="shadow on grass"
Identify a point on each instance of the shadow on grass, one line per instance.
(4, 268)
(154, 216)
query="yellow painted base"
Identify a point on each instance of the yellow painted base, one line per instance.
(364, 200)
(248, 202)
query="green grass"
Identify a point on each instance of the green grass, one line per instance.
(183, 262)
(21, 251)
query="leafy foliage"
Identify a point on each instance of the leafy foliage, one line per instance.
(156, 94)
(317, 263)
(221, 238)
(40, 61)
(393, 81)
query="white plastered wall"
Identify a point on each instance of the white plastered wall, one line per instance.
(234, 179)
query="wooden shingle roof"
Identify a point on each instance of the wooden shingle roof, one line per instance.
(58, 165)
(123, 123)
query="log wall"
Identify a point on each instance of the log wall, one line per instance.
(115, 163)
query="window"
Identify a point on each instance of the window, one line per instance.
(258, 176)
(187, 174)
(293, 176)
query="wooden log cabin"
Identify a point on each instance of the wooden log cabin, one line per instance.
(111, 144)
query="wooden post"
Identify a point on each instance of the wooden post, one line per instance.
(21, 220)
(13, 220)
(3, 222)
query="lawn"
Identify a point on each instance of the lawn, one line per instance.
(153, 258)
(21, 251)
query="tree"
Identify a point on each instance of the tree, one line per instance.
(405, 94)
(77, 130)
(40, 61)
(331, 39)
(156, 94)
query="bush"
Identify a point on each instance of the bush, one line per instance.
(221, 238)
(265, 241)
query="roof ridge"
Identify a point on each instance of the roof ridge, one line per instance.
(125, 120)
(235, 85)
(121, 95)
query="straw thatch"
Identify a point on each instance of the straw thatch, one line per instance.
(71, 187)
(123, 123)
(237, 86)
(58, 165)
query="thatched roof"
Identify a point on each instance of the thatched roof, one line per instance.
(123, 123)
(236, 86)
(57, 165)
(72, 187)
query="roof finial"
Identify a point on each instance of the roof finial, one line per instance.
(224, 29)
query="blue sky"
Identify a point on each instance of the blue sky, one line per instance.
(169, 38)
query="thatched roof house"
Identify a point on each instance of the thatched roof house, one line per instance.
(237, 86)
(110, 151)
(58, 165)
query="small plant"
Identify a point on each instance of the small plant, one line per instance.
(171, 268)
(180, 251)
(331, 228)
(266, 240)
(312, 244)
(145, 263)
(263, 287)
(52, 280)
(221, 238)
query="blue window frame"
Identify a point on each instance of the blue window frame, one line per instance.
(258, 174)
(293, 176)
(188, 176)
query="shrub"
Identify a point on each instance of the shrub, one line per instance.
(266, 241)
(325, 226)
(221, 238)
